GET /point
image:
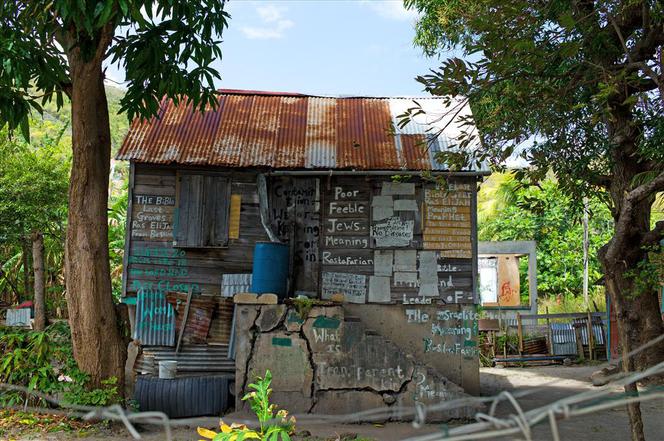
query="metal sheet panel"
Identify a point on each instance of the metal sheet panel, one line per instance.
(155, 318)
(192, 359)
(290, 131)
(18, 317)
(564, 339)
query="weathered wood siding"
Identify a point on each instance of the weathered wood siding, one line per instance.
(406, 242)
(153, 262)
(373, 240)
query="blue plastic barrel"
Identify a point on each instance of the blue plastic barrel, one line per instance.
(270, 274)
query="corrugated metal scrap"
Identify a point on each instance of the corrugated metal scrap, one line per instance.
(294, 131)
(155, 319)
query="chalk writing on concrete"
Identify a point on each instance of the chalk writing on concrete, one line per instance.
(450, 349)
(385, 376)
(428, 391)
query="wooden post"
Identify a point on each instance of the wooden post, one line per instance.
(184, 318)
(590, 336)
(548, 331)
(519, 329)
(39, 285)
(579, 341)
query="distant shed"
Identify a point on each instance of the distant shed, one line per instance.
(328, 166)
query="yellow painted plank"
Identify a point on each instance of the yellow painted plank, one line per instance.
(234, 220)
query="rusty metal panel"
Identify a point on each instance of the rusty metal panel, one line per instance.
(414, 150)
(321, 134)
(288, 131)
(155, 318)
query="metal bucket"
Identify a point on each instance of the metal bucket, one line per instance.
(168, 369)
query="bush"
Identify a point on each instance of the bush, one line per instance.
(43, 361)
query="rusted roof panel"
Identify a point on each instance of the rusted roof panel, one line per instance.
(288, 131)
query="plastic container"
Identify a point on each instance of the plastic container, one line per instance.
(168, 369)
(270, 269)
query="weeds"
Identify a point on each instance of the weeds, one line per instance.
(273, 425)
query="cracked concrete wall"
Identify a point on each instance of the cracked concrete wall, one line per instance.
(331, 363)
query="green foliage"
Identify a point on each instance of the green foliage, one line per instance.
(166, 49)
(274, 425)
(569, 304)
(571, 87)
(79, 394)
(648, 275)
(43, 361)
(44, 165)
(544, 213)
(33, 187)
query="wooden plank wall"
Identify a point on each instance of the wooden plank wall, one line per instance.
(396, 237)
(152, 260)
(371, 239)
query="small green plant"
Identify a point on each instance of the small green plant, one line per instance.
(79, 394)
(303, 307)
(273, 425)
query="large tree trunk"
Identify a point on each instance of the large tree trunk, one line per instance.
(637, 309)
(97, 341)
(40, 292)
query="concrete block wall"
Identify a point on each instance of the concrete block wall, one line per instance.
(352, 358)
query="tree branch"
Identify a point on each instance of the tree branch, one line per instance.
(654, 236)
(643, 191)
(648, 44)
(627, 213)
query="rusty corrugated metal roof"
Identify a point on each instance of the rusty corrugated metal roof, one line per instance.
(293, 131)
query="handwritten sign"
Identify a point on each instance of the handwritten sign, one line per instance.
(393, 232)
(353, 286)
(152, 217)
(347, 257)
(448, 220)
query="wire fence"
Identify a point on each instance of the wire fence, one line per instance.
(486, 426)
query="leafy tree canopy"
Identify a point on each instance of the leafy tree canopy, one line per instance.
(513, 210)
(574, 86)
(33, 186)
(154, 41)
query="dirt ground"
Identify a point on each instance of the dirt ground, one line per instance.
(539, 386)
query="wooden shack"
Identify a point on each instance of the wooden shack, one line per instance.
(334, 178)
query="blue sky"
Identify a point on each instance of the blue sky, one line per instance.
(328, 47)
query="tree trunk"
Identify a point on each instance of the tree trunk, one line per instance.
(637, 312)
(25, 255)
(40, 294)
(637, 309)
(97, 341)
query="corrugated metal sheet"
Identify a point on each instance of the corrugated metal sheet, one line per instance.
(155, 318)
(18, 317)
(192, 360)
(564, 337)
(232, 284)
(293, 131)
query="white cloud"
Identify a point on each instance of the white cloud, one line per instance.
(273, 23)
(391, 9)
